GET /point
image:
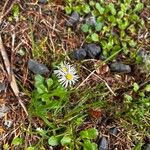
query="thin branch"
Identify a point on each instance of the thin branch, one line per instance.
(93, 72)
(11, 75)
(100, 79)
(3, 13)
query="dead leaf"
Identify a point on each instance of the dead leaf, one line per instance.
(95, 113)
(101, 68)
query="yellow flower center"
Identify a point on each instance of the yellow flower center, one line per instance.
(69, 76)
(64, 69)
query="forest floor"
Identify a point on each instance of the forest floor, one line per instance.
(106, 109)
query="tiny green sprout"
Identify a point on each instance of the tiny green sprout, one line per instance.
(135, 87)
(17, 141)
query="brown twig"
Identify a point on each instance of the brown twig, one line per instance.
(4, 13)
(13, 83)
(93, 73)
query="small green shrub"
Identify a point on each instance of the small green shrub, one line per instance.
(62, 118)
(116, 23)
(135, 110)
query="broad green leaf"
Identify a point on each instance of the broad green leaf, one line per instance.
(139, 7)
(123, 24)
(138, 146)
(41, 89)
(92, 3)
(78, 9)
(54, 140)
(106, 29)
(91, 133)
(85, 28)
(65, 140)
(128, 98)
(68, 10)
(135, 87)
(86, 8)
(79, 121)
(49, 82)
(120, 14)
(95, 37)
(134, 17)
(112, 19)
(123, 7)
(99, 26)
(109, 45)
(17, 141)
(99, 8)
(147, 88)
(38, 80)
(142, 94)
(88, 145)
(112, 8)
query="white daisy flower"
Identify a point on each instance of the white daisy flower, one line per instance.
(66, 74)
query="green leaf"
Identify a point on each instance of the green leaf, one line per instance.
(79, 121)
(65, 140)
(112, 19)
(17, 141)
(16, 10)
(139, 7)
(147, 88)
(132, 43)
(88, 145)
(134, 17)
(85, 28)
(120, 14)
(132, 28)
(95, 37)
(138, 146)
(91, 133)
(123, 7)
(99, 8)
(54, 140)
(68, 9)
(78, 9)
(38, 80)
(49, 82)
(128, 98)
(123, 24)
(92, 3)
(135, 87)
(42, 89)
(6, 146)
(30, 148)
(86, 8)
(99, 26)
(112, 8)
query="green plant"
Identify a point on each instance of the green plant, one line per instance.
(137, 108)
(48, 97)
(116, 23)
(70, 142)
(135, 111)
(15, 13)
(62, 118)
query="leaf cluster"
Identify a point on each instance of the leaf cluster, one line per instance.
(116, 23)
